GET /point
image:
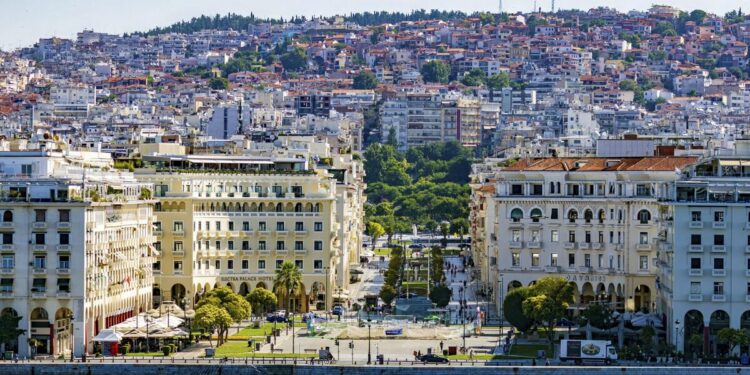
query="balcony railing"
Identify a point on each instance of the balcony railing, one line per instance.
(695, 297)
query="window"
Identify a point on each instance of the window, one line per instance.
(8, 261)
(600, 261)
(718, 263)
(587, 260)
(516, 215)
(535, 215)
(695, 263)
(157, 226)
(554, 214)
(719, 216)
(178, 227)
(535, 260)
(553, 259)
(245, 264)
(178, 265)
(554, 235)
(246, 226)
(261, 264)
(8, 216)
(318, 226)
(40, 261)
(718, 239)
(39, 286)
(719, 288)
(218, 225)
(695, 287)
(748, 289)
(157, 265)
(299, 226)
(695, 239)
(217, 264)
(572, 236)
(7, 238)
(695, 216)
(644, 216)
(39, 238)
(643, 238)
(588, 216)
(262, 226)
(536, 189)
(64, 216)
(318, 245)
(299, 264)
(299, 245)
(231, 225)
(64, 238)
(571, 260)
(230, 245)
(261, 245)
(515, 259)
(535, 236)
(245, 245)
(572, 216)
(516, 235)
(6, 285)
(230, 264)
(279, 262)
(63, 261)
(643, 262)
(63, 285)
(318, 264)
(587, 236)
(516, 189)
(280, 226)
(178, 246)
(280, 245)
(601, 237)
(40, 216)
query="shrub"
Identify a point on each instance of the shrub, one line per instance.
(166, 350)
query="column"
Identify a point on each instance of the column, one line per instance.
(706, 336)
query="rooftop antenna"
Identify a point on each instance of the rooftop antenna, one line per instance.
(500, 7)
(534, 10)
(553, 6)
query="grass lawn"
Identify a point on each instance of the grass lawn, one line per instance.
(247, 332)
(144, 354)
(239, 349)
(383, 252)
(527, 350)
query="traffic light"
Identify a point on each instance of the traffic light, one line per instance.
(337, 342)
(351, 345)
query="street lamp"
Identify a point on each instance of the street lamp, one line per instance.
(291, 314)
(463, 314)
(369, 338)
(677, 331)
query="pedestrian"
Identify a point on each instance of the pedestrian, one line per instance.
(533, 361)
(546, 363)
(441, 346)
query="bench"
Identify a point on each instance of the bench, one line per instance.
(277, 350)
(311, 350)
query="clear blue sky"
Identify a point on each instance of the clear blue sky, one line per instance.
(22, 22)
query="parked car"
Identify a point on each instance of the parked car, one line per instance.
(338, 310)
(278, 316)
(433, 358)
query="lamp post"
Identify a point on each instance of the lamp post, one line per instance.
(369, 338)
(500, 312)
(291, 314)
(677, 334)
(463, 315)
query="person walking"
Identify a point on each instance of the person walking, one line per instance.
(441, 346)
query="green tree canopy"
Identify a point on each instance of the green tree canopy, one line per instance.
(262, 300)
(375, 230)
(225, 299)
(288, 278)
(474, 77)
(365, 81)
(498, 81)
(211, 318)
(436, 71)
(548, 301)
(9, 330)
(218, 83)
(387, 294)
(440, 295)
(513, 309)
(294, 60)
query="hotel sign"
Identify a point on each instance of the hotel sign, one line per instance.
(582, 278)
(246, 278)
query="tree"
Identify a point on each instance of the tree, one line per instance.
(392, 141)
(460, 226)
(375, 231)
(236, 306)
(262, 300)
(498, 81)
(600, 316)
(733, 337)
(440, 295)
(288, 282)
(9, 330)
(211, 318)
(647, 335)
(294, 60)
(474, 77)
(218, 83)
(695, 342)
(387, 294)
(549, 300)
(435, 71)
(513, 309)
(628, 85)
(436, 265)
(365, 81)
(445, 231)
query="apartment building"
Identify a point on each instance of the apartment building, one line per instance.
(597, 222)
(76, 247)
(704, 277)
(233, 220)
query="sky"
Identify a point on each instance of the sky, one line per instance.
(23, 22)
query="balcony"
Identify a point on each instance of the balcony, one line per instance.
(644, 247)
(300, 251)
(696, 225)
(6, 294)
(63, 271)
(63, 295)
(515, 244)
(7, 271)
(178, 253)
(157, 232)
(720, 225)
(178, 233)
(696, 272)
(6, 225)
(263, 232)
(570, 245)
(300, 232)
(596, 246)
(39, 247)
(177, 272)
(718, 249)
(695, 297)
(282, 232)
(63, 248)
(584, 245)
(552, 269)
(39, 294)
(281, 251)
(63, 225)
(534, 245)
(40, 270)
(246, 233)
(695, 249)
(39, 225)
(718, 298)
(11, 247)
(584, 269)
(718, 273)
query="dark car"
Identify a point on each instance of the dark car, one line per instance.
(432, 358)
(338, 310)
(274, 317)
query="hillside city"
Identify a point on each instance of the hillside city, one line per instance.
(433, 186)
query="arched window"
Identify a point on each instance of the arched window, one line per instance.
(8, 216)
(552, 187)
(516, 215)
(644, 216)
(572, 216)
(588, 215)
(279, 207)
(536, 214)
(298, 207)
(602, 215)
(316, 207)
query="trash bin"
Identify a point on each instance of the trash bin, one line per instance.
(250, 343)
(380, 359)
(210, 352)
(268, 339)
(452, 350)
(540, 354)
(257, 346)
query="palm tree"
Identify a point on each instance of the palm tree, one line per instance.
(288, 281)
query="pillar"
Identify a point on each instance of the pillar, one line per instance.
(706, 337)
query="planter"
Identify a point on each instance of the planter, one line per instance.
(210, 352)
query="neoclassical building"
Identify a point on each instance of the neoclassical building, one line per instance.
(598, 222)
(232, 220)
(77, 247)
